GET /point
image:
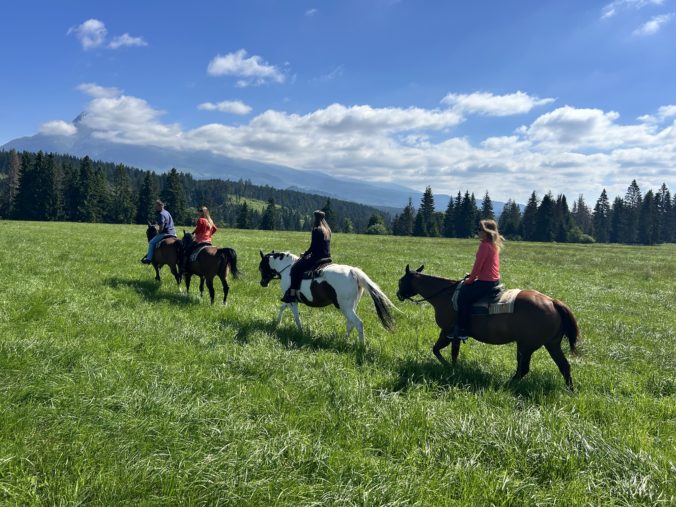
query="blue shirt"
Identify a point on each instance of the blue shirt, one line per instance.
(166, 223)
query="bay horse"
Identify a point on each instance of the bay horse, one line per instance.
(169, 251)
(336, 284)
(210, 262)
(537, 320)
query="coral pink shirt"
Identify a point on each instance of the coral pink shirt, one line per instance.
(487, 264)
(203, 232)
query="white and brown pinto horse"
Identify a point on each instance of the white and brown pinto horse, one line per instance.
(337, 284)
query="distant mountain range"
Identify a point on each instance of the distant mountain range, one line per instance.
(203, 164)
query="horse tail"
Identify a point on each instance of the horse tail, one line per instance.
(380, 300)
(229, 255)
(568, 323)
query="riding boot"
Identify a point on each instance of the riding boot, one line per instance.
(144, 260)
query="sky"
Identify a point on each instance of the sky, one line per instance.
(507, 97)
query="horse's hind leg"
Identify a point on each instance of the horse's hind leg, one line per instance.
(226, 289)
(555, 351)
(442, 343)
(354, 321)
(523, 355)
(201, 286)
(157, 272)
(210, 286)
(176, 274)
(188, 277)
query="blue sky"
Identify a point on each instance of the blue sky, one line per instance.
(507, 97)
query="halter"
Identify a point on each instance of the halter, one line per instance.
(278, 275)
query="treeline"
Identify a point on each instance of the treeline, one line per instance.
(635, 218)
(48, 186)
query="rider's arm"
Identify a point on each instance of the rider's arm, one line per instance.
(481, 256)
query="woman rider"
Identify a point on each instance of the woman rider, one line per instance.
(204, 229)
(318, 253)
(485, 275)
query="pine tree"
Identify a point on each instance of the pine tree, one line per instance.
(269, 221)
(330, 215)
(174, 197)
(601, 218)
(426, 224)
(12, 183)
(122, 206)
(582, 216)
(27, 194)
(348, 226)
(466, 215)
(529, 220)
(546, 219)
(243, 219)
(631, 212)
(617, 220)
(449, 220)
(146, 199)
(487, 208)
(95, 207)
(663, 204)
(563, 222)
(510, 220)
(71, 194)
(648, 227)
(404, 223)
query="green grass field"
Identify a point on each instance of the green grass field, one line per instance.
(116, 390)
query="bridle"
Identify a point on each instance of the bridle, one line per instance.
(278, 274)
(423, 299)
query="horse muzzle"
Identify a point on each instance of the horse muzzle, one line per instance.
(265, 282)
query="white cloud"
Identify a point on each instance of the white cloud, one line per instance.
(567, 150)
(58, 128)
(494, 105)
(311, 12)
(653, 26)
(126, 40)
(96, 91)
(609, 10)
(91, 33)
(226, 106)
(251, 71)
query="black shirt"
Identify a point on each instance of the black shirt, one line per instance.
(320, 248)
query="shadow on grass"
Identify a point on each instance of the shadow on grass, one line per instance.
(150, 290)
(468, 375)
(290, 337)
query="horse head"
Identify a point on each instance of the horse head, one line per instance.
(152, 230)
(406, 290)
(187, 238)
(272, 265)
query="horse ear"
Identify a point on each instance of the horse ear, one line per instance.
(408, 269)
(261, 252)
(422, 266)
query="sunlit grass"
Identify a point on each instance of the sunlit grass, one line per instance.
(116, 390)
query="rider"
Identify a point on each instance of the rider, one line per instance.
(485, 275)
(166, 229)
(204, 229)
(318, 253)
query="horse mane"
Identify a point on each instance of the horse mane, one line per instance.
(439, 278)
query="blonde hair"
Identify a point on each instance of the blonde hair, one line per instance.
(490, 227)
(205, 210)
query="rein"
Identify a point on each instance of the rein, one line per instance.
(279, 273)
(423, 299)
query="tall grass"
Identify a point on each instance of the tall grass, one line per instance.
(117, 390)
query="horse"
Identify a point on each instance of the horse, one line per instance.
(336, 284)
(210, 262)
(169, 251)
(537, 320)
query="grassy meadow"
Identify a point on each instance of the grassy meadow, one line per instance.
(116, 390)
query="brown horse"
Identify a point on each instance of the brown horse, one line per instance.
(537, 320)
(210, 262)
(169, 251)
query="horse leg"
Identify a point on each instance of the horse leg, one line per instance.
(523, 356)
(201, 286)
(226, 289)
(281, 311)
(556, 353)
(157, 272)
(455, 349)
(354, 321)
(174, 272)
(188, 276)
(296, 316)
(210, 286)
(442, 343)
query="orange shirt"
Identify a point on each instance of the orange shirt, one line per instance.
(203, 232)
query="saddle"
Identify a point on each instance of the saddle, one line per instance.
(196, 249)
(498, 301)
(317, 270)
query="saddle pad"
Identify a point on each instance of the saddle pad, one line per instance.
(193, 256)
(503, 305)
(316, 272)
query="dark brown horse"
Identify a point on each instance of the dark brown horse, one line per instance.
(537, 320)
(168, 251)
(210, 262)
